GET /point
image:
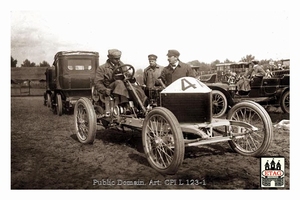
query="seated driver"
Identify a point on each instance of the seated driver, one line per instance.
(255, 70)
(107, 85)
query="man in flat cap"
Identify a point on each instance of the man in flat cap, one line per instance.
(106, 84)
(257, 70)
(104, 81)
(254, 71)
(176, 69)
(152, 72)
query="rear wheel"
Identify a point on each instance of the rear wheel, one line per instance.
(219, 103)
(52, 103)
(45, 99)
(251, 143)
(163, 141)
(285, 102)
(85, 121)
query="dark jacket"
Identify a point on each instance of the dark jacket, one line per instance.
(104, 76)
(169, 75)
(104, 80)
(151, 75)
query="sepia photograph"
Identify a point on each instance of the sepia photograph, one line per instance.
(150, 95)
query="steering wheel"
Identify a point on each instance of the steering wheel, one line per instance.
(125, 71)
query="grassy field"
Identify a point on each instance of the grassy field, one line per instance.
(45, 154)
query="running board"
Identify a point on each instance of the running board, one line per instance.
(255, 99)
(207, 141)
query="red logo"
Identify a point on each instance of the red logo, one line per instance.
(272, 173)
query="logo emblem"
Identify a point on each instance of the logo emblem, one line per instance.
(272, 172)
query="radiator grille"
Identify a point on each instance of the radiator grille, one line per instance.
(189, 107)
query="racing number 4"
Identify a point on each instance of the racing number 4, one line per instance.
(185, 84)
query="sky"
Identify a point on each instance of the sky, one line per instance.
(215, 33)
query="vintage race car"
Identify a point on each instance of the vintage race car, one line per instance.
(176, 117)
(274, 91)
(70, 77)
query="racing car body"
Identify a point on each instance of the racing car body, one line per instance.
(179, 115)
(188, 91)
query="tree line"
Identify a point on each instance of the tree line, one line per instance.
(202, 65)
(248, 58)
(27, 63)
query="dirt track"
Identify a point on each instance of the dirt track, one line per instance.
(45, 154)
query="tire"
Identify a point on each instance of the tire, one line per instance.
(48, 100)
(219, 103)
(45, 99)
(285, 102)
(52, 103)
(85, 121)
(163, 141)
(59, 106)
(253, 143)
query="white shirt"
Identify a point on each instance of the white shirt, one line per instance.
(175, 65)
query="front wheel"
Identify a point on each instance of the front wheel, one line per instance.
(219, 103)
(85, 121)
(48, 102)
(59, 106)
(285, 102)
(250, 142)
(163, 141)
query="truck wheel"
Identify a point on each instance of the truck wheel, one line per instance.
(251, 143)
(59, 107)
(85, 121)
(52, 103)
(48, 100)
(285, 102)
(219, 103)
(45, 99)
(163, 141)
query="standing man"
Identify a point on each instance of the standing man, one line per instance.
(152, 72)
(176, 69)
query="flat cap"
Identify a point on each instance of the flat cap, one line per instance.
(173, 52)
(255, 62)
(115, 53)
(152, 57)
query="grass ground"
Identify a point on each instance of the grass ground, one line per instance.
(45, 154)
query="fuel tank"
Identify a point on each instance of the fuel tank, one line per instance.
(189, 100)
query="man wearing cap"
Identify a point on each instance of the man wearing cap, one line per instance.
(107, 85)
(255, 70)
(104, 81)
(176, 69)
(152, 72)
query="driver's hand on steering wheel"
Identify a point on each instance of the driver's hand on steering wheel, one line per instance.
(126, 74)
(108, 91)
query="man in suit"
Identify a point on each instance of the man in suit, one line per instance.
(176, 69)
